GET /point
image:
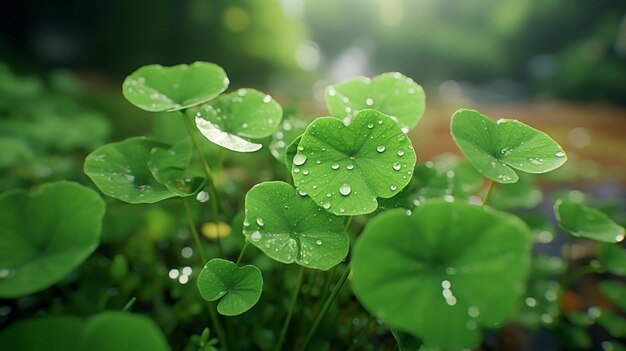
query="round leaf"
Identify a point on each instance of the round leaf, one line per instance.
(496, 149)
(156, 88)
(289, 227)
(613, 257)
(447, 270)
(120, 170)
(345, 168)
(239, 288)
(391, 93)
(45, 235)
(585, 222)
(168, 167)
(112, 331)
(232, 119)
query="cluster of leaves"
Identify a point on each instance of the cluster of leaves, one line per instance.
(433, 262)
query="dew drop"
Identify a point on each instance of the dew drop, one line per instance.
(259, 221)
(305, 172)
(335, 166)
(255, 236)
(559, 154)
(397, 166)
(267, 99)
(393, 187)
(370, 126)
(318, 242)
(299, 159)
(296, 170)
(350, 166)
(202, 196)
(326, 205)
(381, 149)
(332, 91)
(400, 153)
(369, 102)
(345, 189)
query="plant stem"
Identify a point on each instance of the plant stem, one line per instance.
(325, 308)
(294, 298)
(129, 305)
(218, 327)
(329, 277)
(362, 333)
(194, 232)
(488, 194)
(213, 194)
(348, 222)
(243, 251)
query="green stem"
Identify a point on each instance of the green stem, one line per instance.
(129, 305)
(348, 222)
(218, 327)
(243, 251)
(329, 277)
(488, 194)
(362, 333)
(325, 308)
(294, 298)
(213, 194)
(194, 232)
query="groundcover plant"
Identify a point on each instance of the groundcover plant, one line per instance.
(351, 244)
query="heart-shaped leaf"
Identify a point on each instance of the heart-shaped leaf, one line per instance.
(585, 222)
(120, 170)
(289, 130)
(156, 88)
(168, 166)
(239, 288)
(496, 149)
(232, 119)
(390, 93)
(289, 227)
(447, 270)
(345, 168)
(615, 291)
(45, 235)
(613, 257)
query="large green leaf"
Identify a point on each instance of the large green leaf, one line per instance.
(289, 227)
(497, 149)
(613, 257)
(120, 170)
(45, 235)
(233, 119)
(442, 272)
(390, 93)
(586, 222)
(156, 88)
(239, 288)
(112, 331)
(345, 168)
(50, 333)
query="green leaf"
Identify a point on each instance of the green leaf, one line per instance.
(169, 165)
(496, 150)
(239, 288)
(232, 119)
(446, 178)
(390, 93)
(289, 227)
(448, 269)
(113, 331)
(585, 222)
(406, 342)
(615, 291)
(612, 323)
(290, 129)
(120, 170)
(613, 257)
(291, 152)
(345, 168)
(50, 333)
(45, 235)
(157, 88)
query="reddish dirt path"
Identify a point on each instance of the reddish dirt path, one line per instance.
(603, 126)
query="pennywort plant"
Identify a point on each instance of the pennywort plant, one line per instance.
(434, 252)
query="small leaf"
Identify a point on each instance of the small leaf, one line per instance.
(447, 270)
(289, 227)
(390, 93)
(120, 170)
(45, 235)
(615, 291)
(239, 288)
(497, 149)
(613, 257)
(289, 130)
(585, 222)
(112, 331)
(345, 168)
(157, 88)
(232, 119)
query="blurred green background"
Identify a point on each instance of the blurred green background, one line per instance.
(500, 50)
